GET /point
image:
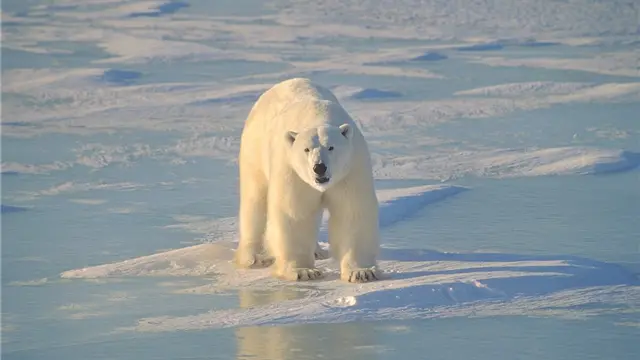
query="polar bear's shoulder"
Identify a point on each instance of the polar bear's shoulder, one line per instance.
(288, 94)
(299, 89)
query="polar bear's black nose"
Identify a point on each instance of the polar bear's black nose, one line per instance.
(319, 169)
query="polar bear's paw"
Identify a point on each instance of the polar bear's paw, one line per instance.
(262, 261)
(321, 254)
(253, 261)
(361, 275)
(300, 274)
(308, 274)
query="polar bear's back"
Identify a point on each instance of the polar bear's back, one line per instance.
(280, 96)
(300, 88)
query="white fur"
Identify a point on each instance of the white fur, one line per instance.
(280, 199)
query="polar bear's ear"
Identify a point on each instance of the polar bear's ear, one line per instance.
(291, 136)
(346, 131)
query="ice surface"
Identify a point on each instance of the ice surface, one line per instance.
(209, 258)
(12, 209)
(429, 56)
(120, 77)
(121, 122)
(526, 89)
(161, 9)
(416, 283)
(623, 63)
(366, 94)
(422, 292)
(507, 163)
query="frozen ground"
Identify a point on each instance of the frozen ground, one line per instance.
(506, 147)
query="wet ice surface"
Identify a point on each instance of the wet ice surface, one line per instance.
(505, 149)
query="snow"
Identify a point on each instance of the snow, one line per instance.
(504, 148)
(515, 90)
(191, 261)
(621, 63)
(504, 163)
(209, 258)
(416, 283)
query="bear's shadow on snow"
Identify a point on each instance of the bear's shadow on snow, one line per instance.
(565, 272)
(538, 274)
(629, 160)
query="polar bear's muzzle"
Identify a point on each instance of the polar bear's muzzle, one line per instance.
(320, 170)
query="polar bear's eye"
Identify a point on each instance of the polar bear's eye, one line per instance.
(330, 148)
(306, 150)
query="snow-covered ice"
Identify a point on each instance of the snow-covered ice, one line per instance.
(417, 283)
(505, 146)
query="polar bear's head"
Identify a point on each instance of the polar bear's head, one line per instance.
(321, 156)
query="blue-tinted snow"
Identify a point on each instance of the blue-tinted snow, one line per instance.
(502, 141)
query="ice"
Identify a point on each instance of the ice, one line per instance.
(197, 260)
(445, 285)
(622, 63)
(507, 163)
(482, 47)
(212, 257)
(120, 77)
(89, 201)
(430, 56)
(10, 168)
(416, 283)
(129, 49)
(538, 88)
(366, 94)
(73, 187)
(497, 19)
(12, 209)
(170, 7)
(505, 150)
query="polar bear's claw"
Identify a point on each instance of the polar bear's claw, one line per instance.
(361, 275)
(261, 261)
(308, 274)
(253, 261)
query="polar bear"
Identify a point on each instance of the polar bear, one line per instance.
(301, 153)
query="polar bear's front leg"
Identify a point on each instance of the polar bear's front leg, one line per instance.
(253, 219)
(353, 230)
(292, 244)
(355, 246)
(292, 230)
